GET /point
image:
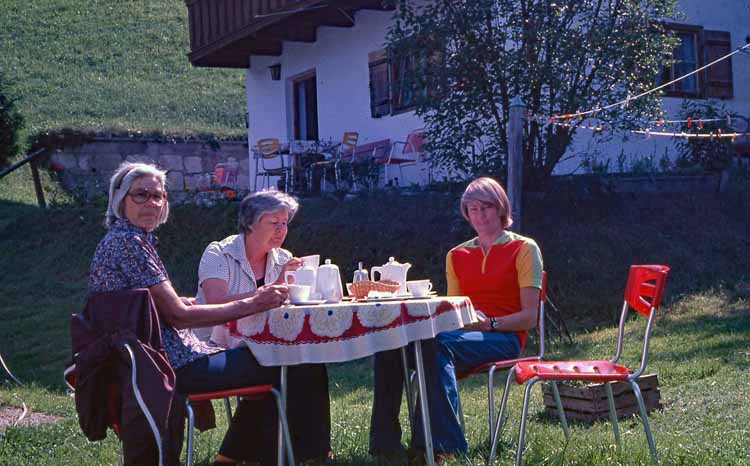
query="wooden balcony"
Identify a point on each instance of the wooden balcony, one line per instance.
(224, 33)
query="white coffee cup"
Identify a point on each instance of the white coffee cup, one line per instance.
(299, 293)
(419, 287)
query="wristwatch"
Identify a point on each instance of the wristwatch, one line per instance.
(493, 323)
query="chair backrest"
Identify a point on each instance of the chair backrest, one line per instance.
(414, 142)
(269, 148)
(349, 140)
(643, 293)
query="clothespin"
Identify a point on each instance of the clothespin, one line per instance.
(729, 120)
(648, 134)
(659, 122)
(718, 133)
(626, 104)
(689, 122)
(700, 123)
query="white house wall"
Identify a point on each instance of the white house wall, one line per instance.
(339, 58)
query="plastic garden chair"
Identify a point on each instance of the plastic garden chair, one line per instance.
(643, 293)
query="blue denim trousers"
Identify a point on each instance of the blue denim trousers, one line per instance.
(443, 356)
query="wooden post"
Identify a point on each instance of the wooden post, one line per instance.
(515, 158)
(37, 185)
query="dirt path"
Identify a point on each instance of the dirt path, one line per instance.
(9, 416)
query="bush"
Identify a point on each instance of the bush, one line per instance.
(11, 123)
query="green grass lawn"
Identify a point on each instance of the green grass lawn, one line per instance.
(103, 65)
(699, 349)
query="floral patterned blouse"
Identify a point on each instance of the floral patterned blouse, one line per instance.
(125, 259)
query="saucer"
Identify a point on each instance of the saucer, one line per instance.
(309, 302)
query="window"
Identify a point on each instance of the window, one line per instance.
(695, 48)
(392, 89)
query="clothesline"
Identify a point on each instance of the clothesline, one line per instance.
(718, 134)
(629, 99)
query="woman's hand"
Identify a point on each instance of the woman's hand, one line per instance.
(293, 264)
(269, 297)
(187, 301)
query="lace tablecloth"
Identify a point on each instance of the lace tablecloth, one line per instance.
(348, 330)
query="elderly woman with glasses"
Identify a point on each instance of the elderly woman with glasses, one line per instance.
(126, 258)
(501, 272)
(240, 266)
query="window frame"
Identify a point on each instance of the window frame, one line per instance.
(670, 72)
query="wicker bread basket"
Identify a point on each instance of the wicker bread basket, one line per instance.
(360, 289)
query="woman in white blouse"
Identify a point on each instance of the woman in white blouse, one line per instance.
(234, 268)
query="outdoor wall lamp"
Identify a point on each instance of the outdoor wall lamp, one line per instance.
(275, 72)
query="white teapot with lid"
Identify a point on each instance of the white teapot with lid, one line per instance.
(393, 270)
(329, 282)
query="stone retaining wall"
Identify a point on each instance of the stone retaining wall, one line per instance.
(87, 168)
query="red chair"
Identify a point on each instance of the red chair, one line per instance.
(69, 376)
(257, 391)
(254, 391)
(643, 293)
(411, 153)
(491, 368)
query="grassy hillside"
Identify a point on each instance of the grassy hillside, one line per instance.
(699, 347)
(114, 65)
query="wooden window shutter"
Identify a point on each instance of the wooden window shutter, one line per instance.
(380, 101)
(718, 80)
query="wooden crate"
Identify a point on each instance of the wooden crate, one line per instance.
(589, 403)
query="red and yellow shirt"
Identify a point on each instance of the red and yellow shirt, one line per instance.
(493, 281)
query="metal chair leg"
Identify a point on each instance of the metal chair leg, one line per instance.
(491, 400)
(122, 455)
(408, 387)
(284, 426)
(613, 414)
(524, 413)
(644, 419)
(560, 410)
(498, 428)
(191, 425)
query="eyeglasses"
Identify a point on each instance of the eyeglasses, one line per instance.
(143, 196)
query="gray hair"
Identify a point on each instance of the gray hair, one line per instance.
(256, 204)
(120, 183)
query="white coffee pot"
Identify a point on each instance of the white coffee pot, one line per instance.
(329, 282)
(393, 270)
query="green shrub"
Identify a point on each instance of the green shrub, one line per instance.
(11, 123)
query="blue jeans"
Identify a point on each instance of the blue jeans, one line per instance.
(252, 432)
(446, 354)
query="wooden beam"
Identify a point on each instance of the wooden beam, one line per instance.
(293, 32)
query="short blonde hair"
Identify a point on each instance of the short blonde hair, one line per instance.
(120, 183)
(488, 191)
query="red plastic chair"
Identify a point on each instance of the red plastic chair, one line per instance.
(411, 153)
(642, 293)
(257, 391)
(491, 368)
(69, 375)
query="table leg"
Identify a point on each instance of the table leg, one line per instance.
(280, 442)
(408, 388)
(423, 404)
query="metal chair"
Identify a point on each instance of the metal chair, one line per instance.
(347, 146)
(254, 392)
(491, 368)
(410, 153)
(643, 293)
(269, 149)
(69, 376)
